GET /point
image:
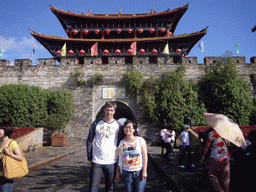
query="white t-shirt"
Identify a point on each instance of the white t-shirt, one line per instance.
(163, 131)
(105, 142)
(130, 156)
(185, 137)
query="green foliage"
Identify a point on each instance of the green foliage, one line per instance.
(78, 77)
(97, 78)
(178, 102)
(223, 92)
(253, 114)
(227, 66)
(148, 93)
(133, 82)
(23, 104)
(60, 110)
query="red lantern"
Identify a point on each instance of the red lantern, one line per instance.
(129, 31)
(75, 32)
(169, 33)
(117, 51)
(140, 31)
(97, 31)
(186, 56)
(151, 30)
(70, 52)
(108, 31)
(67, 31)
(82, 52)
(105, 52)
(142, 51)
(154, 51)
(162, 30)
(178, 51)
(86, 31)
(58, 52)
(118, 31)
(129, 51)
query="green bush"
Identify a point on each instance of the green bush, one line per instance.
(253, 114)
(133, 82)
(170, 101)
(149, 91)
(60, 110)
(224, 94)
(178, 102)
(23, 104)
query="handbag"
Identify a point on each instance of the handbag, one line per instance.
(12, 168)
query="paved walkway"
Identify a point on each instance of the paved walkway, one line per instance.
(193, 180)
(179, 180)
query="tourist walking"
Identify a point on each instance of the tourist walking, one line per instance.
(184, 137)
(219, 164)
(6, 143)
(169, 143)
(103, 139)
(162, 134)
(133, 159)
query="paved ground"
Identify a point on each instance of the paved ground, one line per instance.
(187, 180)
(67, 169)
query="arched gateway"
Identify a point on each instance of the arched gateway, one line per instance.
(126, 108)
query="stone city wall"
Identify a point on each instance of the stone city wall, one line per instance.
(88, 99)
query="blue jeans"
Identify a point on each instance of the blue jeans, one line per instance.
(96, 173)
(133, 181)
(5, 185)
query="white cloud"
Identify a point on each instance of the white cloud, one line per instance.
(19, 48)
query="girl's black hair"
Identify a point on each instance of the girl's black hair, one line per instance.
(7, 127)
(134, 124)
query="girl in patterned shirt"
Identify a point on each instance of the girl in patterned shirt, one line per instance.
(219, 164)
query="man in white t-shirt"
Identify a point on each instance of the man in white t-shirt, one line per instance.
(184, 137)
(102, 142)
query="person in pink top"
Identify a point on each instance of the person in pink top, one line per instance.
(169, 140)
(219, 164)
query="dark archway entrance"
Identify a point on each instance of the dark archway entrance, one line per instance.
(123, 111)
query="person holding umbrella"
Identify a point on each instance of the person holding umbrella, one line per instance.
(225, 130)
(219, 161)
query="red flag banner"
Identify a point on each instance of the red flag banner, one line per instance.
(94, 49)
(134, 48)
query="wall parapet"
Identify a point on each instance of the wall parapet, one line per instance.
(45, 62)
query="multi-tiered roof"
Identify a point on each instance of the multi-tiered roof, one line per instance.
(114, 33)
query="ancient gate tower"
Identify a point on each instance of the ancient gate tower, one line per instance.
(111, 44)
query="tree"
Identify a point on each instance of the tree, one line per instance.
(149, 92)
(133, 82)
(223, 92)
(60, 110)
(177, 101)
(172, 101)
(22, 104)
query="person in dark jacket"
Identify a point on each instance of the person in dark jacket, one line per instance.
(102, 142)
